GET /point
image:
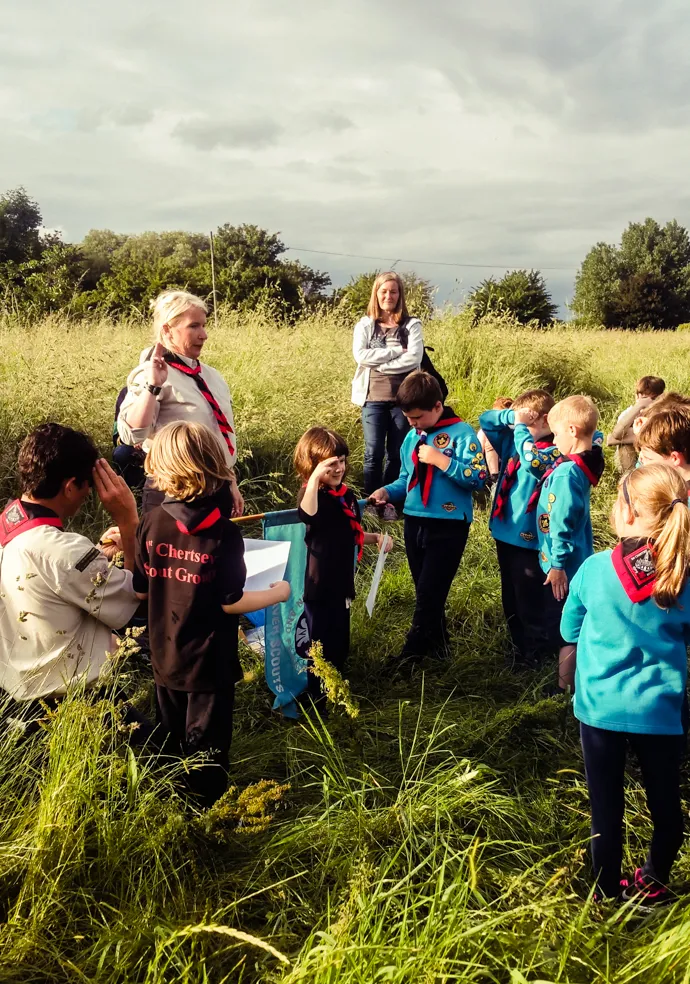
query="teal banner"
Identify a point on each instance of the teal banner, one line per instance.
(286, 639)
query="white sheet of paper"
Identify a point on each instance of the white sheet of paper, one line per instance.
(376, 579)
(266, 561)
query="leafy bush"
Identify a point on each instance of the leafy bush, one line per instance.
(520, 294)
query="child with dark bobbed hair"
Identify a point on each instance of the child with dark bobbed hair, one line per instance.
(334, 538)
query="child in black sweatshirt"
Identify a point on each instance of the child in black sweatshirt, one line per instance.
(190, 567)
(334, 539)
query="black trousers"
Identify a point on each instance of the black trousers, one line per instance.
(434, 550)
(199, 722)
(659, 757)
(329, 624)
(532, 613)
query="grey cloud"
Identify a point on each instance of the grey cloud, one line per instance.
(334, 122)
(496, 132)
(207, 135)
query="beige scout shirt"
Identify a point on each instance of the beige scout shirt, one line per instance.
(60, 601)
(179, 399)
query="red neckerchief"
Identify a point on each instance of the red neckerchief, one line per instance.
(15, 520)
(423, 474)
(205, 523)
(633, 562)
(222, 421)
(589, 462)
(510, 477)
(355, 524)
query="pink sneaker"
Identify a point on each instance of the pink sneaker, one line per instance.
(646, 891)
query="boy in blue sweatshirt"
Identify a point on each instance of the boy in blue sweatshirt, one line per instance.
(561, 504)
(441, 464)
(524, 443)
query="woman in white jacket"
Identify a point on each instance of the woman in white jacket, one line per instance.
(387, 347)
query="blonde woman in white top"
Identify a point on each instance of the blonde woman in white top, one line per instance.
(170, 384)
(387, 347)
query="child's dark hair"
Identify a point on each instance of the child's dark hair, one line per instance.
(315, 446)
(650, 386)
(502, 403)
(541, 401)
(419, 391)
(51, 455)
(667, 430)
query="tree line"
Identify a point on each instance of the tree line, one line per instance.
(642, 282)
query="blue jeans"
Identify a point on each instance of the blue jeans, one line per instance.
(384, 429)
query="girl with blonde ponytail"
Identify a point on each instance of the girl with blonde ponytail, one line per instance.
(628, 611)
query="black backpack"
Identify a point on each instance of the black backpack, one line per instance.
(427, 365)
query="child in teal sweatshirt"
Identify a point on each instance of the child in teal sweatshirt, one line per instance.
(561, 504)
(628, 611)
(524, 443)
(441, 464)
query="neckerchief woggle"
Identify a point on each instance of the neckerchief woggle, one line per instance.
(422, 473)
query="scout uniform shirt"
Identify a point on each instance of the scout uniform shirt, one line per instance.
(564, 526)
(631, 655)
(524, 461)
(190, 562)
(430, 493)
(60, 601)
(179, 399)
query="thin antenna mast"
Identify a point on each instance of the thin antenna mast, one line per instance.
(213, 281)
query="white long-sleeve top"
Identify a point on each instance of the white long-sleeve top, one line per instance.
(392, 359)
(179, 399)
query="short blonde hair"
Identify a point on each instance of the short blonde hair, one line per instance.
(186, 461)
(374, 309)
(170, 305)
(579, 411)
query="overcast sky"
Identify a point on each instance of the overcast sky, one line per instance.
(506, 132)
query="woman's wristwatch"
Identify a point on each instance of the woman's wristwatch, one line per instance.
(154, 390)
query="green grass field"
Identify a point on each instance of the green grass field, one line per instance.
(439, 836)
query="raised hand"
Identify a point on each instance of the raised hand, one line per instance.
(525, 416)
(115, 495)
(157, 366)
(323, 469)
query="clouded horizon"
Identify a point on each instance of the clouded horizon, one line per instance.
(505, 134)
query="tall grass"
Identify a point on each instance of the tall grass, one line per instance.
(441, 836)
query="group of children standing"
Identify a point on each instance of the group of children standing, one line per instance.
(619, 621)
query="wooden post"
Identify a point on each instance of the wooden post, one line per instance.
(213, 282)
